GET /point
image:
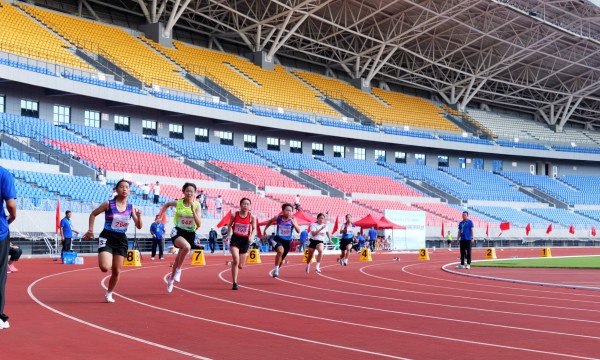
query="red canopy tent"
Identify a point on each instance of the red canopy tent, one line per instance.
(389, 224)
(369, 221)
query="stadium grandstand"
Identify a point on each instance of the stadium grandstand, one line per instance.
(416, 111)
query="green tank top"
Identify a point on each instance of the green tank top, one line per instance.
(184, 217)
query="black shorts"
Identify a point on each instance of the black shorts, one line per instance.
(313, 243)
(449, 242)
(344, 243)
(240, 242)
(189, 236)
(113, 242)
(286, 244)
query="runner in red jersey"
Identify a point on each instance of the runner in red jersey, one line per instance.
(241, 232)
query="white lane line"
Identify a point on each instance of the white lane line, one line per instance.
(583, 295)
(251, 328)
(471, 290)
(470, 298)
(517, 281)
(394, 312)
(98, 327)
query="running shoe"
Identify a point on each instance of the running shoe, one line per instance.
(4, 325)
(341, 261)
(276, 273)
(307, 268)
(318, 270)
(234, 287)
(177, 276)
(468, 266)
(108, 297)
(152, 258)
(345, 262)
(169, 284)
(12, 268)
(460, 266)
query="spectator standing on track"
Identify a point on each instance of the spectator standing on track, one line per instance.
(212, 239)
(187, 220)
(157, 229)
(286, 224)
(112, 242)
(15, 253)
(303, 240)
(242, 227)
(8, 194)
(465, 237)
(156, 192)
(449, 240)
(361, 241)
(66, 233)
(225, 238)
(346, 240)
(318, 230)
(372, 238)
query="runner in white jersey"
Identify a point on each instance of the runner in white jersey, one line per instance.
(317, 233)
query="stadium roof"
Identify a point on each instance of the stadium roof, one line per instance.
(536, 55)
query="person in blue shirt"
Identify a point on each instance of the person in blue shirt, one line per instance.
(303, 239)
(8, 194)
(361, 241)
(465, 237)
(66, 233)
(157, 229)
(372, 238)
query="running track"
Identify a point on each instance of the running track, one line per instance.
(405, 309)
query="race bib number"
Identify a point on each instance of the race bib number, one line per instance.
(350, 230)
(285, 231)
(186, 221)
(241, 229)
(173, 232)
(101, 242)
(120, 222)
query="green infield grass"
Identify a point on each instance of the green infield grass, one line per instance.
(575, 262)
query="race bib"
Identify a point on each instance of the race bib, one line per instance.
(186, 222)
(285, 231)
(350, 230)
(241, 229)
(101, 242)
(120, 222)
(173, 232)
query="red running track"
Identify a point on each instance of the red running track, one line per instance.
(405, 309)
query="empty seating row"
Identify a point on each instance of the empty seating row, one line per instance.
(368, 184)
(258, 175)
(292, 161)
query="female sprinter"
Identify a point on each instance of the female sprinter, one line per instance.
(241, 230)
(347, 240)
(112, 242)
(318, 230)
(283, 235)
(187, 220)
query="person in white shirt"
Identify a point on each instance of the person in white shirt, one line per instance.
(297, 203)
(156, 192)
(218, 204)
(317, 233)
(145, 191)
